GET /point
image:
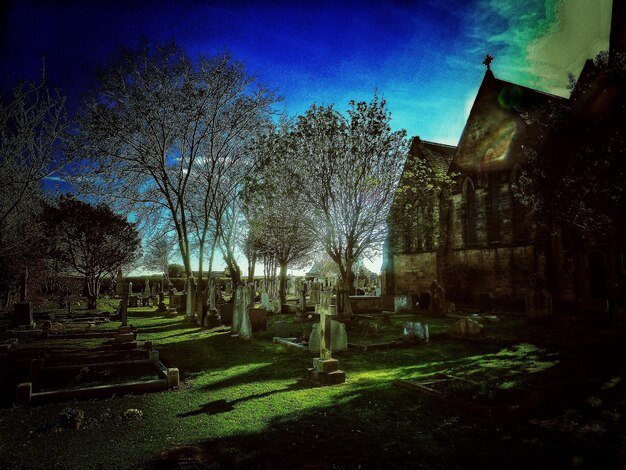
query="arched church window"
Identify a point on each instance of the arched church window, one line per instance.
(469, 213)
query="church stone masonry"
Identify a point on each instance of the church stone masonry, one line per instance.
(484, 246)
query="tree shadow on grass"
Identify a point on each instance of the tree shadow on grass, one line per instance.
(223, 406)
(381, 427)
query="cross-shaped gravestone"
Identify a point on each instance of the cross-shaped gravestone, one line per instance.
(325, 311)
(325, 370)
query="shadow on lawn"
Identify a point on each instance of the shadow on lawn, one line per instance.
(378, 427)
(223, 406)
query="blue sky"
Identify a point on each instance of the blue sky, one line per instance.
(424, 56)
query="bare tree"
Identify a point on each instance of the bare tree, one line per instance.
(33, 132)
(351, 166)
(148, 125)
(159, 254)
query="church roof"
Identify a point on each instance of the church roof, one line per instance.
(438, 156)
(497, 125)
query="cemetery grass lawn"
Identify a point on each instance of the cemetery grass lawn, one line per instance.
(245, 404)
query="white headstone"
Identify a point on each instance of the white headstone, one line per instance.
(276, 307)
(265, 301)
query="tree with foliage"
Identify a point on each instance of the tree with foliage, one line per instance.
(350, 168)
(278, 210)
(574, 174)
(90, 240)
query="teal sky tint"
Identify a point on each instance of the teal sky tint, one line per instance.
(424, 56)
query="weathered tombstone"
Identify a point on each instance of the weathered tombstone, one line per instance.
(189, 300)
(213, 316)
(119, 283)
(22, 311)
(132, 300)
(437, 299)
(302, 288)
(265, 300)
(130, 288)
(316, 288)
(282, 329)
(325, 370)
(402, 303)
(124, 309)
(467, 328)
(162, 306)
(146, 290)
(339, 337)
(245, 330)
(276, 305)
(237, 310)
(413, 331)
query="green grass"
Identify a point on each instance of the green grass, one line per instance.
(245, 404)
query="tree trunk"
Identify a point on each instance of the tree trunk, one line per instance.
(347, 279)
(233, 267)
(251, 266)
(282, 290)
(93, 286)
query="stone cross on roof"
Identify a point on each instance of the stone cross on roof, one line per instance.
(488, 60)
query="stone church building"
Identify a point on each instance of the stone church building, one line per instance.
(477, 240)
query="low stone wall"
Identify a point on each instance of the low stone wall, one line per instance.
(365, 303)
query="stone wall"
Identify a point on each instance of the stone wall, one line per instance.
(502, 274)
(414, 272)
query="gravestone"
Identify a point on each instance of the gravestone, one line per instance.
(316, 289)
(146, 291)
(339, 337)
(245, 331)
(237, 310)
(265, 301)
(162, 307)
(276, 305)
(467, 328)
(119, 284)
(213, 317)
(22, 311)
(302, 289)
(413, 331)
(402, 303)
(282, 329)
(325, 370)
(124, 309)
(437, 298)
(130, 288)
(190, 300)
